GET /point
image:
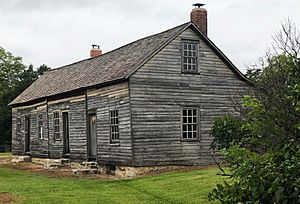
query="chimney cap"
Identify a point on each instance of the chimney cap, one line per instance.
(94, 46)
(198, 5)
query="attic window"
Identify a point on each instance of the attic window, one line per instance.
(190, 56)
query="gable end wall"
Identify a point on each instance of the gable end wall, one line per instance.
(158, 90)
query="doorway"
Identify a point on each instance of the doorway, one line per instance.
(66, 141)
(92, 137)
(27, 135)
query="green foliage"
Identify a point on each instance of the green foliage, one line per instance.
(226, 130)
(265, 163)
(14, 78)
(270, 178)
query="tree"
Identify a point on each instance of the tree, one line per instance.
(14, 78)
(263, 150)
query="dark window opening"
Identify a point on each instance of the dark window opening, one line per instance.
(189, 123)
(114, 126)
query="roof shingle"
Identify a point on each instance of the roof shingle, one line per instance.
(114, 65)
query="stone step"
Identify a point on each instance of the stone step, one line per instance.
(87, 167)
(85, 171)
(89, 164)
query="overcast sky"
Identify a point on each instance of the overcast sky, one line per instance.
(59, 32)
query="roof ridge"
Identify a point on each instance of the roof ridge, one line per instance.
(118, 48)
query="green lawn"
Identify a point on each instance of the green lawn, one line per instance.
(4, 154)
(184, 187)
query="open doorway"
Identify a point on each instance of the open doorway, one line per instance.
(66, 141)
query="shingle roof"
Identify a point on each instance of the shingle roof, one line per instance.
(111, 66)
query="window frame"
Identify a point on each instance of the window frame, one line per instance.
(113, 125)
(196, 42)
(18, 128)
(40, 118)
(55, 133)
(197, 108)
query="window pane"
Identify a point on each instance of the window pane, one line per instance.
(194, 134)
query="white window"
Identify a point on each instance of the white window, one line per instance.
(190, 127)
(56, 121)
(40, 126)
(189, 56)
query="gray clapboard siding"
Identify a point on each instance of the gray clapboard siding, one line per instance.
(158, 90)
(38, 147)
(103, 100)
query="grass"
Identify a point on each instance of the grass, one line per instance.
(182, 187)
(4, 154)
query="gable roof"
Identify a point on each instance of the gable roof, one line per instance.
(113, 66)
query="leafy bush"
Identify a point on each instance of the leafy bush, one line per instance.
(226, 130)
(265, 163)
(268, 178)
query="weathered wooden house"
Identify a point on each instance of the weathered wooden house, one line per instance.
(151, 102)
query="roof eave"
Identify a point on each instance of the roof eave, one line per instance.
(62, 95)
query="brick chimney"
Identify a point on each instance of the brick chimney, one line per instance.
(199, 17)
(95, 51)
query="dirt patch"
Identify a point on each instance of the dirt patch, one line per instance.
(6, 198)
(68, 173)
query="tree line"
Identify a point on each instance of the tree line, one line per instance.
(15, 77)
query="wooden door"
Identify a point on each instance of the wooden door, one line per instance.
(92, 137)
(66, 142)
(27, 135)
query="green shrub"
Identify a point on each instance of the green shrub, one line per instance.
(269, 178)
(226, 130)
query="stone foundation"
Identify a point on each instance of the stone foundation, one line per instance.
(94, 168)
(52, 163)
(131, 172)
(16, 159)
